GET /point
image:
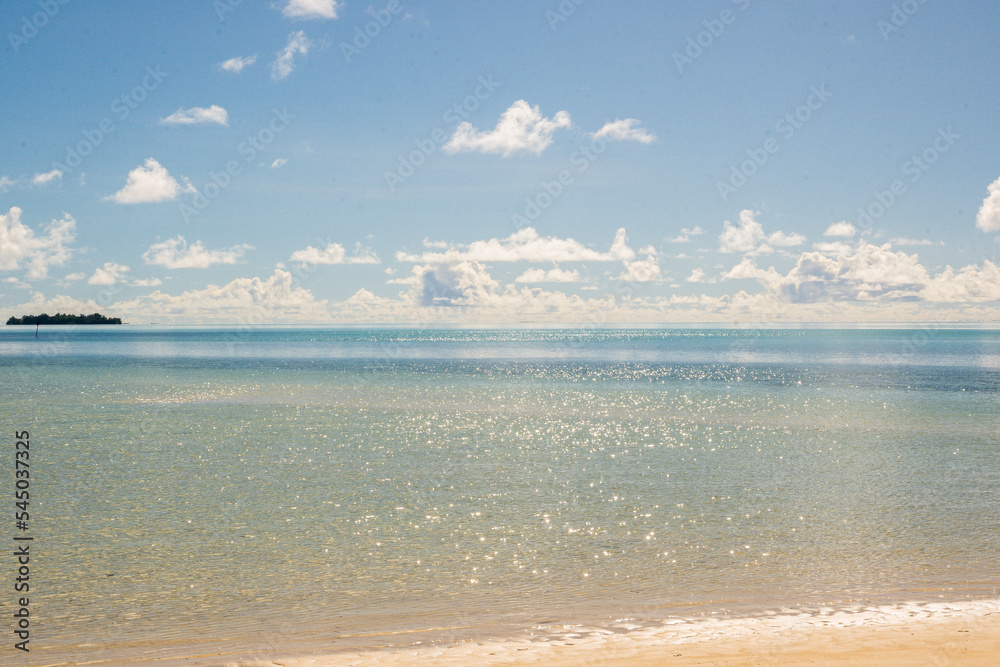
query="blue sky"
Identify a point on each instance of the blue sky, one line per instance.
(319, 161)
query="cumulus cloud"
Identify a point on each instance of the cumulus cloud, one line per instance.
(21, 247)
(527, 245)
(521, 128)
(746, 269)
(58, 304)
(697, 276)
(748, 237)
(556, 275)
(462, 294)
(149, 183)
(197, 115)
(175, 253)
(47, 177)
(641, 270)
(279, 163)
(274, 299)
(147, 282)
(971, 283)
(465, 293)
(841, 229)
(685, 235)
(311, 9)
(625, 130)
(875, 266)
(466, 283)
(334, 253)
(109, 274)
(988, 218)
(297, 44)
(862, 273)
(237, 64)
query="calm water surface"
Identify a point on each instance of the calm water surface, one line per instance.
(252, 491)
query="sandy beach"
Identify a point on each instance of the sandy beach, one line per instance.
(941, 637)
(951, 643)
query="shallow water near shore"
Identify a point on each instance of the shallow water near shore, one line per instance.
(248, 493)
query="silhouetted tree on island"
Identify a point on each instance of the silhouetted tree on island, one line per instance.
(64, 318)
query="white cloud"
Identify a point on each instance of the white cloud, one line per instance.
(685, 235)
(74, 276)
(110, 274)
(411, 279)
(879, 265)
(641, 270)
(19, 246)
(988, 218)
(746, 269)
(625, 130)
(463, 284)
(521, 128)
(285, 63)
(6, 182)
(47, 177)
(832, 247)
(197, 115)
(465, 293)
(864, 273)
(843, 229)
(971, 283)
(527, 245)
(904, 241)
(311, 9)
(551, 276)
(237, 64)
(177, 254)
(147, 282)
(697, 276)
(749, 238)
(334, 253)
(244, 300)
(58, 304)
(17, 283)
(279, 163)
(148, 183)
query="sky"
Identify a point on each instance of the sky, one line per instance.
(560, 161)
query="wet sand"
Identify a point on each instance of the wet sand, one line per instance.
(938, 639)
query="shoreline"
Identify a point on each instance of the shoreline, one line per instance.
(934, 634)
(939, 634)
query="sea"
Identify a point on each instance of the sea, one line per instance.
(225, 495)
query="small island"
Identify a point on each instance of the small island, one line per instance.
(64, 318)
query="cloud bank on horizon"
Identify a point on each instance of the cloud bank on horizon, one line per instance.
(525, 184)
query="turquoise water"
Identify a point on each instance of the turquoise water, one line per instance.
(245, 493)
